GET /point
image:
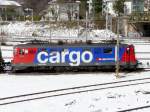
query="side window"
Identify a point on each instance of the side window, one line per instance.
(21, 52)
(107, 51)
(26, 51)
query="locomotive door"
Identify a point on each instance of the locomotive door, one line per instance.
(123, 54)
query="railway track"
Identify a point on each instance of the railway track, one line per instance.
(72, 90)
(135, 108)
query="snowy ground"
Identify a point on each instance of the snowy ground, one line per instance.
(109, 100)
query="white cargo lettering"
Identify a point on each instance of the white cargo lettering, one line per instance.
(39, 57)
(54, 57)
(74, 61)
(90, 57)
(74, 57)
(63, 56)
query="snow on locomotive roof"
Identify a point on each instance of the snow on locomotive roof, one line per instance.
(75, 44)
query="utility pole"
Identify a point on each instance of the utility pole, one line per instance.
(117, 49)
(106, 12)
(86, 24)
(106, 18)
(78, 2)
(32, 15)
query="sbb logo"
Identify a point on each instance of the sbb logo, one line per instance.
(74, 57)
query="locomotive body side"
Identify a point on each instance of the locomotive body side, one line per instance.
(76, 55)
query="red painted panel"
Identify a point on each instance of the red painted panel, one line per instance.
(25, 58)
(129, 55)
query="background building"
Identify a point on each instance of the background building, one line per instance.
(9, 10)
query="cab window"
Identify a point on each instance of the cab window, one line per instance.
(107, 50)
(21, 52)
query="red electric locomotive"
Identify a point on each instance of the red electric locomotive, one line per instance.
(51, 55)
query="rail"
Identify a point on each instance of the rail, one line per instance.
(135, 108)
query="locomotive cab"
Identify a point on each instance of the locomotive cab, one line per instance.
(129, 57)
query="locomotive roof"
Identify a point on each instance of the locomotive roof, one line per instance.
(28, 45)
